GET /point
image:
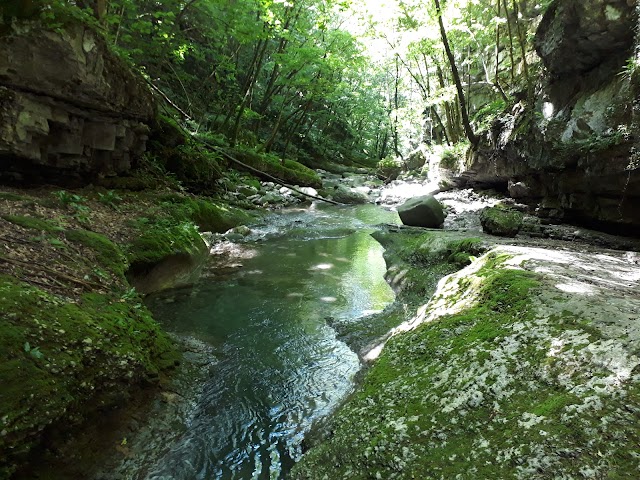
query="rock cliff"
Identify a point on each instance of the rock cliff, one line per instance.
(69, 108)
(573, 151)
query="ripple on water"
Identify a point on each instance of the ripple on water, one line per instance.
(280, 365)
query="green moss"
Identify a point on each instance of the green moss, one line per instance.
(12, 197)
(33, 223)
(210, 216)
(89, 351)
(107, 253)
(501, 221)
(291, 172)
(368, 439)
(593, 144)
(483, 393)
(159, 239)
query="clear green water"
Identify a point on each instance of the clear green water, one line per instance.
(280, 365)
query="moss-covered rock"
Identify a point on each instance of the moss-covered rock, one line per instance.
(209, 215)
(108, 254)
(501, 221)
(159, 239)
(503, 374)
(62, 361)
(289, 171)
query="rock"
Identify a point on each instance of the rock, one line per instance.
(241, 230)
(501, 222)
(247, 190)
(416, 160)
(364, 190)
(269, 197)
(73, 110)
(574, 37)
(424, 211)
(309, 191)
(518, 190)
(573, 152)
(349, 196)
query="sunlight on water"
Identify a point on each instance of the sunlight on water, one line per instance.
(281, 366)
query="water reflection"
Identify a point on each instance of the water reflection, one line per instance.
(281, 366)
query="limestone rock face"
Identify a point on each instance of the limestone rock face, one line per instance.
(576, 37)
(574, 152)
(68, 107)
(424, 211)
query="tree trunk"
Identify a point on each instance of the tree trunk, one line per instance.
(513, 63)
(456, 78)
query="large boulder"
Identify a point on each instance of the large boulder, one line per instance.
(68, 106)
(342, 194)
(424, 211)
(501, 221)
(416, 159)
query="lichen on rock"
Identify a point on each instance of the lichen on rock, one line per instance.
(514, 369)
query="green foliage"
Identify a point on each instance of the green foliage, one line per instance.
(111, 199)
(452, 157)
(33, 351)
(631, 68)
(485, 116)
(75, 203)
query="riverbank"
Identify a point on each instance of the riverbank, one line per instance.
(521, 365)
(81, 351)
(76, 339)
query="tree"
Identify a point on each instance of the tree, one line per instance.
(456, 78)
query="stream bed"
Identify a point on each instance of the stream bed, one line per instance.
(278, 365)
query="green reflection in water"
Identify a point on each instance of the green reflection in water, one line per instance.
(281, 366)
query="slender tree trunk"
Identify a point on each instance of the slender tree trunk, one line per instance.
(523, 47)
(449, 131)
(513, 63)
(395, 102)
(456, 78)
(257, 66)
(496, 80)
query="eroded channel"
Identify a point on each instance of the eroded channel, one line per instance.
(278, 365)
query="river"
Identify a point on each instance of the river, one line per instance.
(279, 366)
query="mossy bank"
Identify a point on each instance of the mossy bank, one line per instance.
(516, 368)
(75, 338)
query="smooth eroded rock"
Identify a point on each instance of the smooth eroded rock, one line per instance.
(424, 211)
